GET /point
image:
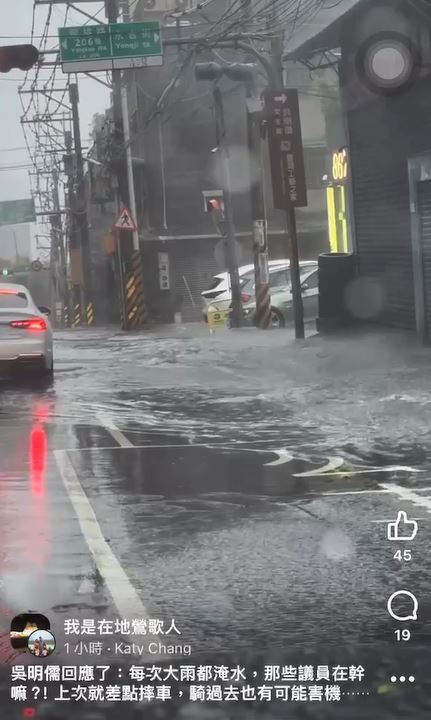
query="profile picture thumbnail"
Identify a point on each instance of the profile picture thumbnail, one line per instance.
(41, 643)
(24, 625)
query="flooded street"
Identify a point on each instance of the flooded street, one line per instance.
(169, 477)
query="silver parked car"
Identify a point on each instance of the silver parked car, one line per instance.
(281, 296)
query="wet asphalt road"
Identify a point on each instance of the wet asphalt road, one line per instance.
(158, 478)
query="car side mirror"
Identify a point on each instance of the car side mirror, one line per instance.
(44, 310)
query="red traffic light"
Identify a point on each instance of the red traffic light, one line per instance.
(22, 57)
(214, 205)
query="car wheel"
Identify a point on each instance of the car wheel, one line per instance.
(277, 319)
(49, 371)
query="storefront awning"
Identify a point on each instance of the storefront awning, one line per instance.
(321, 32)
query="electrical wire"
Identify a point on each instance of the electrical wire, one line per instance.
(42, 154)
(46, 155)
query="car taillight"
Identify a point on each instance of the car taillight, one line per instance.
(34, 324)
(245, 297)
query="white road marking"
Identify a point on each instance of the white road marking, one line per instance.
(142, 447)
(211, 446)
(354, 492)
(366, 471)
(384, 489)
(283, 457)
(114, 431)
(332, 464)
(124, 595)
(408, 495)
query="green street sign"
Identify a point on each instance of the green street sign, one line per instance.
(15, 212)
(136, 39)
(110, 47)
(85, 43)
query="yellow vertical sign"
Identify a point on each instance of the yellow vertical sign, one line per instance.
(343, 218)
(336, 202)
(332, 220)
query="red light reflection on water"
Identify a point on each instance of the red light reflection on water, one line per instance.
(37, 525)
(42, 411)
(38, 450)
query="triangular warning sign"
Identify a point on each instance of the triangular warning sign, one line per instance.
(125, 220)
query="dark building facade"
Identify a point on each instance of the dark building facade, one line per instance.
(173, 136)
(389, 144)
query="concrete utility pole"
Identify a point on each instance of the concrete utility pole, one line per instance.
(74, 316)
(257, 196)
(258, 210)
(81, 209)
(237, 314)
(295, 275)
(58, 255)
(129, 161)
(242, 72)
(134, 312)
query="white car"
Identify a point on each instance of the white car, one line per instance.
(219, 294)
(26, 341)
(281, 295)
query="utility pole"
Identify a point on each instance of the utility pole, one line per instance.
(81, 209)
(243, 72)
(134, 310)
(257, 197)
(237, 314)
(53, 266)
(74, 316)
(111, 12)
(258, 210)
(59, 242)
(129, 161)
(295, 275)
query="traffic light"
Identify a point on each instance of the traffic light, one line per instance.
(5, 272)
(22, 57)
(243, 72)
(208, 71)
(214, 206)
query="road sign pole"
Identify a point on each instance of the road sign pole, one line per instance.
(295, 275)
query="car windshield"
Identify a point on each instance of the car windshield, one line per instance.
(279, 279)
(215, 282)
(10, 300)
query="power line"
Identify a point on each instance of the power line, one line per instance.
(14, 149)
